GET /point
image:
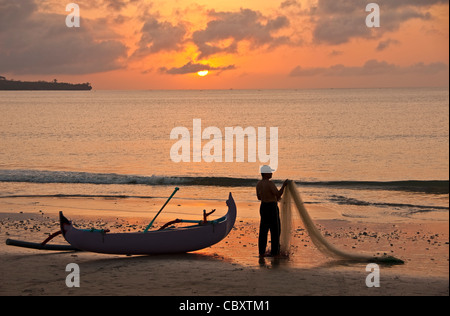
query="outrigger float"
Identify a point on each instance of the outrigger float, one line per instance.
(166, 240)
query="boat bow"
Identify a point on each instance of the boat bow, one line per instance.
(179, 240)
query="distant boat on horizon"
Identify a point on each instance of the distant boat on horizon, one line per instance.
(6, 84)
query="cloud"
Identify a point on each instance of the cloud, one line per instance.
(339, 29)
(370, 68)
(385, 44)
(338, 21)
(335, 53)
(290, 3)
(32, 42)
(12, 13)
(191, 67)
(349, 6)
(116, 5)
(414, 3)
(228, 29)
(160, 36)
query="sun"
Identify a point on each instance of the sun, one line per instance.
(202, 73)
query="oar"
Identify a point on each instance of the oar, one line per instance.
(170, 197)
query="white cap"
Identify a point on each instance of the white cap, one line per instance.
(266, 169)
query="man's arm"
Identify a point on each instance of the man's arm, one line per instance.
(257, 191)
(280, 192)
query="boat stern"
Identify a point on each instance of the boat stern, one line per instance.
(64, 223)
(232, 213)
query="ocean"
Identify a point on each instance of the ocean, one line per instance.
(365, 154)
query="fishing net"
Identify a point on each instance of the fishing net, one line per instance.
(286, 222)
(292, 195)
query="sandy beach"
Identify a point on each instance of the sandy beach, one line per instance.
(231, 267)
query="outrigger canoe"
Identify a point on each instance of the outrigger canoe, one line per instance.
(165, 241)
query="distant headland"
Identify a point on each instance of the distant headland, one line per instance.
(41, 85)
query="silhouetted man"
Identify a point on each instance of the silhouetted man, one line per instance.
(269, 196)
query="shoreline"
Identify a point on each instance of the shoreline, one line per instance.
(230, 267)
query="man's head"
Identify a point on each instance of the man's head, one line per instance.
(266, 172)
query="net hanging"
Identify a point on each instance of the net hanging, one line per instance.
(291, 195)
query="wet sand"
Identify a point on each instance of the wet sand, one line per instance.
(231, 267)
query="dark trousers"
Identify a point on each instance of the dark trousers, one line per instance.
(270, 220)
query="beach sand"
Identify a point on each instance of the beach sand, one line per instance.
(230, 267)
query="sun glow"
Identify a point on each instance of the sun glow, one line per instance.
(202, 73)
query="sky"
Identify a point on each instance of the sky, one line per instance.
(252, 44)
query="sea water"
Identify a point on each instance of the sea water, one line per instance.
(364, 153)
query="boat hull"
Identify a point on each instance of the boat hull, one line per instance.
(179, 240)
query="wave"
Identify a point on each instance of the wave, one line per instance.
(46, 176)
(421, 186)
(342, 200)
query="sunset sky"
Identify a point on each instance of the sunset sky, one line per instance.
(262, 44)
